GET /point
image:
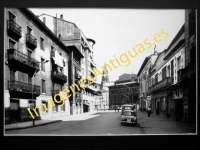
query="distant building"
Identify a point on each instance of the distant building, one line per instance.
(143, 77)
(124, 91)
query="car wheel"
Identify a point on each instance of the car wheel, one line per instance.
(122, 123)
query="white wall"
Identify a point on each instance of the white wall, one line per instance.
(181, 53)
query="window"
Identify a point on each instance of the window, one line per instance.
(178, 63)
(62, 107)
(11, 17)
(42, 65)
(29, 79)
(11, 44)
(55, 109)
(12, 75)
(43, 86)
(52, 52)
(41, 43)
(164, 73)
(29, 30)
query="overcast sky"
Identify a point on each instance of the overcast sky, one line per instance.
(118, 30)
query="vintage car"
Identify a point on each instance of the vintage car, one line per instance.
(128, 114)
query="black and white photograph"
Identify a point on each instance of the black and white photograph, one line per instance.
(99, 71)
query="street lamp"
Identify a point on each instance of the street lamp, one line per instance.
(131, 92)
(32, 88)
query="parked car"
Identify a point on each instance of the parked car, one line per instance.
(128, 114)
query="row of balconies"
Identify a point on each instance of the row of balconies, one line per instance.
(161, 84)
(22, 62)
(15, 31)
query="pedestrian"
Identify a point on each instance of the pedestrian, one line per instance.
(149, 111)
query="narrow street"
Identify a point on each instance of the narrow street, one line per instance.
(108, 123)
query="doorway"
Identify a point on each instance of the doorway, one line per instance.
(179, 109)
(14, 110)
(158, 108)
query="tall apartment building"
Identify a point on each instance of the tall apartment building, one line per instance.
(81, 60)
(36, 67)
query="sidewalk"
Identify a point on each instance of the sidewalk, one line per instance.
(29, 124)
(159, 124)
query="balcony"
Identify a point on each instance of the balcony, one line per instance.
(186, 72)
(161, 84)
(58, 77)
(78, 64)
(19, 61)
(14, 30)
(23, 90)
(31, 41)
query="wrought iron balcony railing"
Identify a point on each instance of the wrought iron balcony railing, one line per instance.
(184, 73)
(31, 41)
(161, 84)
(15, 28)
(59, 76)
(23, 87)
(14, 54)
(77, 63)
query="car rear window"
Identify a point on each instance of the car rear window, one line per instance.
(129, 107)
(129, 113)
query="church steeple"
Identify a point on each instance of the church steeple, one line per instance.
(105, 78)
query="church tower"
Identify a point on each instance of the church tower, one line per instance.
(105, 78)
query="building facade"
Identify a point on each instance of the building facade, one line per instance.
(125, 91)
(30, 78)
(143, 77)
(187, 76)
(81, 62)
(172, 77)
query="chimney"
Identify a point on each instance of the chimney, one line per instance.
(61, 17)
(44, 20)
(155, 50)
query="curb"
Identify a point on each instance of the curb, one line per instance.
(18, 128)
